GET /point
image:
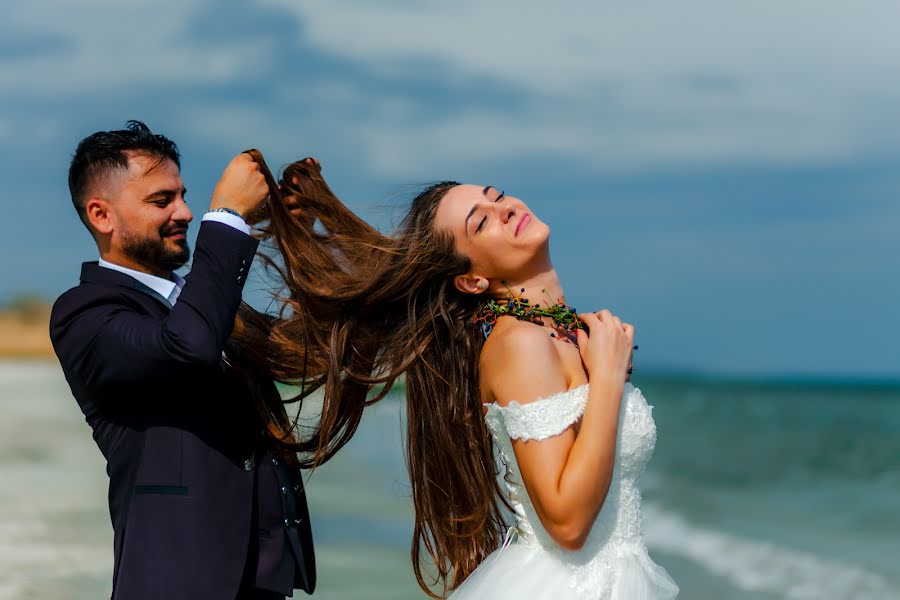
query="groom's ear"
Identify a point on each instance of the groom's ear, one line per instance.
(471, 283)
(97, 215)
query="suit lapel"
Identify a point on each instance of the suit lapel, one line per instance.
(92, 272)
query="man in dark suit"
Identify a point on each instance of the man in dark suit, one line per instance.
(202, 505)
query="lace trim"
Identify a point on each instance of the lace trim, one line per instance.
(541, 419)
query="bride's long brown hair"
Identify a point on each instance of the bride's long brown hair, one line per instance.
(359, 310)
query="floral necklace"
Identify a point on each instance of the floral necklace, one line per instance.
(564, 317)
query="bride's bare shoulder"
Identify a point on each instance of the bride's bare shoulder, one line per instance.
(518, 354)
(511, 334)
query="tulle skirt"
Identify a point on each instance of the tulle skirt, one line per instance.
(520, 571)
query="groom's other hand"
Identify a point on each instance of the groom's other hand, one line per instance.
(293, 199)
(242, 187)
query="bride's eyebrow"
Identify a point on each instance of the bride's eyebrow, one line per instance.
(486, 188)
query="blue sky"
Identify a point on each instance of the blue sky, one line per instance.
(723, 175)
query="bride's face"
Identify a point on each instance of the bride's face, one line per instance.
(497, 232)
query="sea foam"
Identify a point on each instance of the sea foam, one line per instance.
(762, 566)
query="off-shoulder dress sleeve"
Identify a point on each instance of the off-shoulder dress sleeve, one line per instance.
(540, 419)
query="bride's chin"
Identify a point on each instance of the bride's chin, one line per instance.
(542, 241)
(540, 230)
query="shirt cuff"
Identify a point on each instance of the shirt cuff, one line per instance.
(229, 219)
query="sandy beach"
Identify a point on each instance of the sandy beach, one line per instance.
(24, 331)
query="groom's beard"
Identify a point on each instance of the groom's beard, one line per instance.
(161, 252)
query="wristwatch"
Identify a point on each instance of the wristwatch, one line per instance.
(229, 211)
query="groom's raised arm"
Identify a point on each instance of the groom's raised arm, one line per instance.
(111, 340)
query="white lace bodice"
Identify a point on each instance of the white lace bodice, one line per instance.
(617, 530)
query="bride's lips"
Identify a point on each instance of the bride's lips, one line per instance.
(523, 222)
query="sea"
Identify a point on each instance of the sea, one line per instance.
(758, 489)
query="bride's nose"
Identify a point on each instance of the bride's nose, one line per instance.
(506, 214)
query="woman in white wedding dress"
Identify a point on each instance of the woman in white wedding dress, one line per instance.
(465, 302)
(573, 435)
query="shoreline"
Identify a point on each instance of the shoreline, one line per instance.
(25, 336)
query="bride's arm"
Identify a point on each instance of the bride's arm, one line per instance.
(567, 475)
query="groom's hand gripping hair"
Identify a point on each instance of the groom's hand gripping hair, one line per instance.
(242, 187)
(292, 201)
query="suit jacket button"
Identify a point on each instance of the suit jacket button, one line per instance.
(287, 523)
(284, 489)
(248, 464)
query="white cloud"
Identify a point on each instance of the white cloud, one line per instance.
(109, 46)
(607, 86)
(625, 86)
(553, 47)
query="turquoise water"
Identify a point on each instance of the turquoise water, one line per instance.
(787, 490)
(755, 491)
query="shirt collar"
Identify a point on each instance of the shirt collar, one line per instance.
(167, 288)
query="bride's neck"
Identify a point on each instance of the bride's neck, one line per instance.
(542, 288)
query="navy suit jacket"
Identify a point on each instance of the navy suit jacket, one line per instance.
(195, 493)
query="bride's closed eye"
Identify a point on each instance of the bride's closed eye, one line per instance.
(499, 197)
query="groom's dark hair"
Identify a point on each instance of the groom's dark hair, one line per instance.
(104, 151)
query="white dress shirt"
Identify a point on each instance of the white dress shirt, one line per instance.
(171, 288)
